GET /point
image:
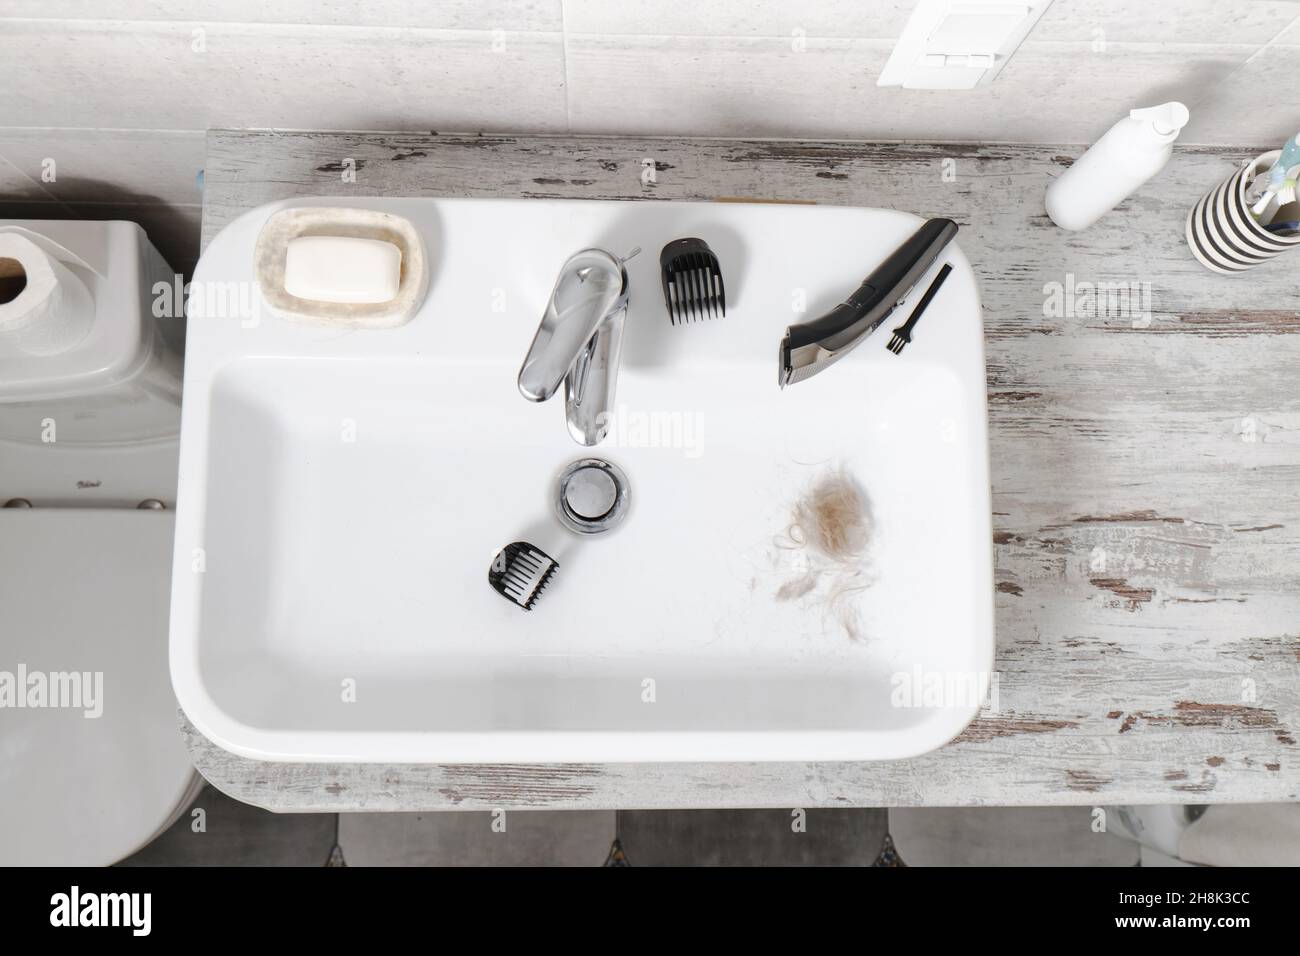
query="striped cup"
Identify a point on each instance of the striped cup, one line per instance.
(1224, 236)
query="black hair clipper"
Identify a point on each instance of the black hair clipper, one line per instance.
(812, 346)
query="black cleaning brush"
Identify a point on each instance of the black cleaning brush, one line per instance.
(903, 334)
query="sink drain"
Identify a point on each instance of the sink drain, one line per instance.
(592, 496)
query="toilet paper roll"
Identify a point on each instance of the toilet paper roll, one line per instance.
(53, 310)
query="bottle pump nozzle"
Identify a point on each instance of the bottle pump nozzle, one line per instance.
(1167, 118)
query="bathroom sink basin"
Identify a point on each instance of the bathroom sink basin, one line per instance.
(343, 493)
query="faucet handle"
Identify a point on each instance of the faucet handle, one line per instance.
(589, 288)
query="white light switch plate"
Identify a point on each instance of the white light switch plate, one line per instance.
(958, 44)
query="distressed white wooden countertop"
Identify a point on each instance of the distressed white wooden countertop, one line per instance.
(1145, 467)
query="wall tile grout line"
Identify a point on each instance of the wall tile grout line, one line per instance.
(53, 199)
(1260, 50)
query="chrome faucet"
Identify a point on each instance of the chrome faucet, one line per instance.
(578, 342)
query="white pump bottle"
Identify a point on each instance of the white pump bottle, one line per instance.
(1126, 156)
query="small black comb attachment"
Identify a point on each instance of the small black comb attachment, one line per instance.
(520, 572)
(692, 279)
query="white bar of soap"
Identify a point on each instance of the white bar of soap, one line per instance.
(342, 269)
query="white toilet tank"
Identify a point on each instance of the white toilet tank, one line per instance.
(90, 331)
(90, 387)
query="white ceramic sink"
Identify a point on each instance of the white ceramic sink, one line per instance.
(342, 494)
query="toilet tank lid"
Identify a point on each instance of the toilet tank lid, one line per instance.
(119, 268)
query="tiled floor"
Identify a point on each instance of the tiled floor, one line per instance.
(234, 834)
(751, 837)
(1006, 836)
(513, 838)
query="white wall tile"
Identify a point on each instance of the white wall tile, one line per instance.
(438, 14)
(1037, 101)
(110, 165)
(147, 76)
(1252, 108)
(1124, 21)
(722, 86)
(113, 90)
(732, 86)
(1121, 21)
(144, 74)
(752, 18)
(1167, 21)
(15, 185)
(1291, 35)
